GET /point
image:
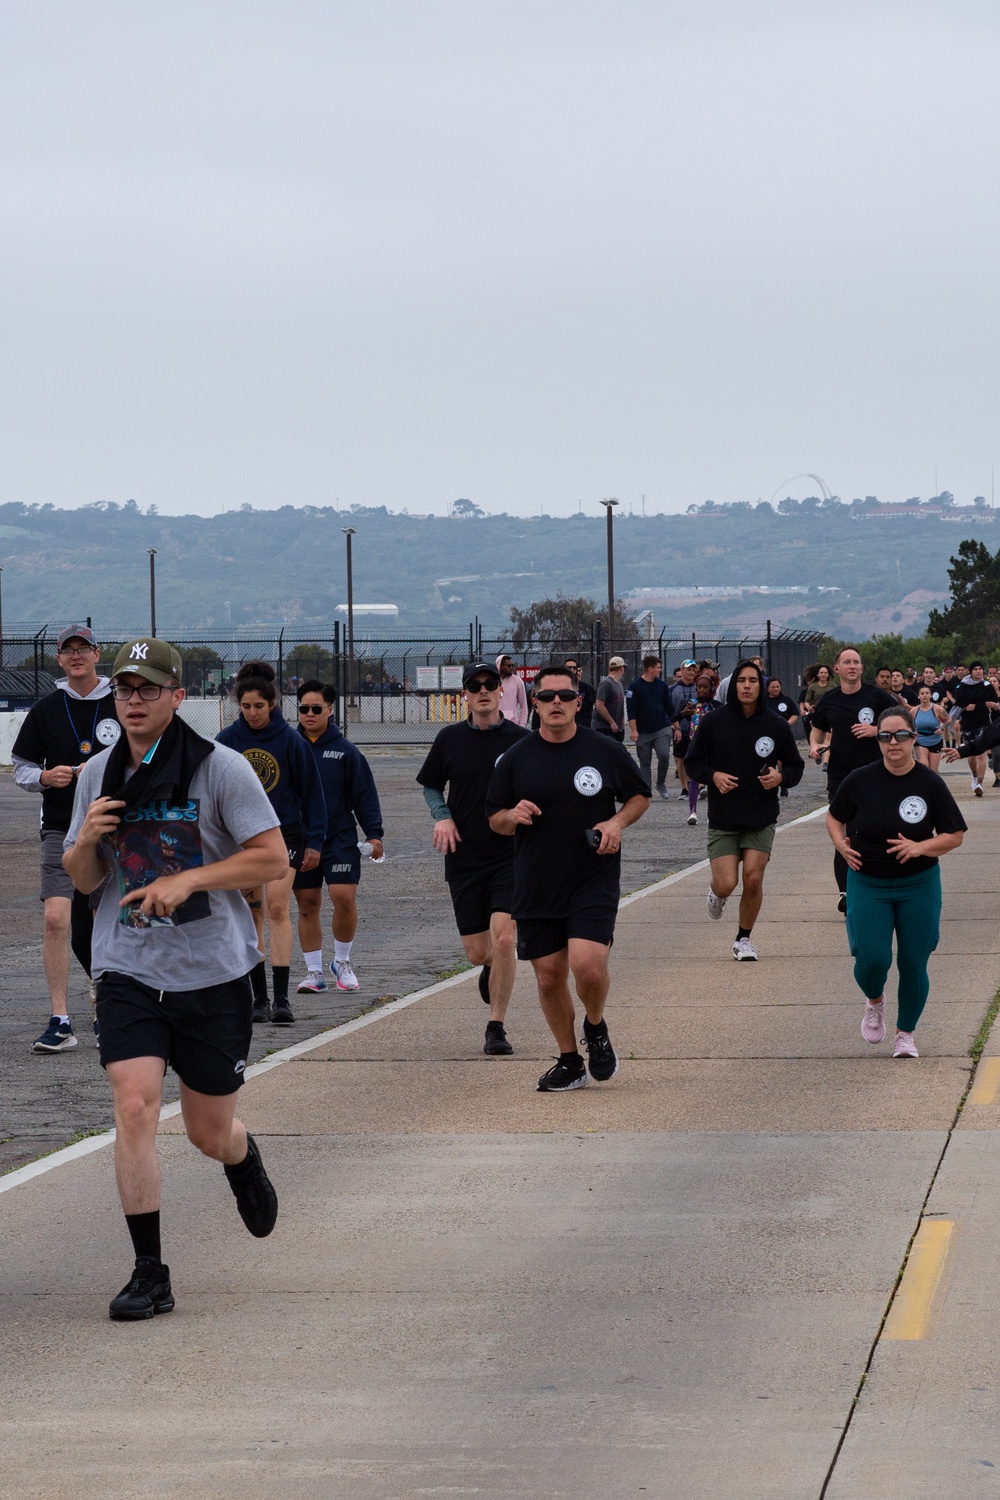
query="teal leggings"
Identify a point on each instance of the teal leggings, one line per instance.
(910, 908)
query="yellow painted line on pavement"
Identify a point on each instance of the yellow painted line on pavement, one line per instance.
(987, 1084)
(910, 1314)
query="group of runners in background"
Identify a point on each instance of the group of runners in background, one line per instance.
(178, 857)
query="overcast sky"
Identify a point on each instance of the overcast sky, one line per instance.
(529, 253)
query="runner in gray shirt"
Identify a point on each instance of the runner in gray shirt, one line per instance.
(609, 706)
(181, 825)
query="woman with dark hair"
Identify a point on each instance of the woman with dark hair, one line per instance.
(928, 717)
(289, 775)
(891, 821)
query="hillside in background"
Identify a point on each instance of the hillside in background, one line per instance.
(856, 574)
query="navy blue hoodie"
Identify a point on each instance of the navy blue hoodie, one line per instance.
(287, 772)
(742, 745)
(349, 789)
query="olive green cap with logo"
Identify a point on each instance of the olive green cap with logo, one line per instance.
(156, 661)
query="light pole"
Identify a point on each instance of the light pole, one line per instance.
(609, 506)
(152, 591)
(350, 531)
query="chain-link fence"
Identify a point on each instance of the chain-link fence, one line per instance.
(393, 690)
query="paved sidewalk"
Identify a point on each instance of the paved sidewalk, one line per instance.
(667, 1285)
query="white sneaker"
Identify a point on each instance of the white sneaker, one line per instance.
(977, 789)
(905, 1045)
(344, 974)
(716, 905)
(743, 950)
(873, 1021)
(313, 984)
(692, 819)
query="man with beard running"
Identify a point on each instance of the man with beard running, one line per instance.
(744, 753)
(61, 733)
(478, 863)
(555, 792)
(844, 724)
(182, 825)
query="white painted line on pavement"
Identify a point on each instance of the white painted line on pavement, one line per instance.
(298, 1049)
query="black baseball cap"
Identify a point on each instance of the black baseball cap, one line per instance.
(487, 668)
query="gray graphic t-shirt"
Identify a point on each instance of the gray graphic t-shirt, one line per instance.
(211, 938)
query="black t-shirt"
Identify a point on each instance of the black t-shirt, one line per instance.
(783, 705)
(576, 783)
(64, 731)
(462, 758)
(971, 698)
(910, 695)
(877, 806)
(942, 688)
(648, 703)
(837, 711)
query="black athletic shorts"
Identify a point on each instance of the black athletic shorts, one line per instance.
(682, 746)
(204, 1035)
(476, 894)
(538, 938)
(342, 867)
(292, 835)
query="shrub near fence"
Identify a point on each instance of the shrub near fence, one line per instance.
(401, 690)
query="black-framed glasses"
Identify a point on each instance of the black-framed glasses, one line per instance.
(902, 736)
(75, 650)
(491, 684)
(312, 708)
(549, 695)
(148, 692)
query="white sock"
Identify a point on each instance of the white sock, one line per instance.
(341, 951)
(314, 961)
(63, 1019)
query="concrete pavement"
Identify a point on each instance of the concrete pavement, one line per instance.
(671, 1284)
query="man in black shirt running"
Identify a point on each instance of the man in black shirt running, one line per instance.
(649, 714)
(556, 792)
(844, 725)
(60, 734)
(478, 863)
(975, 698)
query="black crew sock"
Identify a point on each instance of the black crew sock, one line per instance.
(596, 1029)
(145, 1232)
(258, 982)
(279, 982)
(242, 1168)
(570, 1058)
(743, 932)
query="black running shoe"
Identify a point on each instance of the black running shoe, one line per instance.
(145, 1295)
(496, 1043)
(601, 1059)
(484, 982)
(259, 1013)
(281, 1013)
(255, 1196)
(568, 1073)
(842, 902)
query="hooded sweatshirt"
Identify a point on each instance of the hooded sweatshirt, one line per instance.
(65, 728)
(349, 789)
(743, 745)
(513, 698)
(286, 770)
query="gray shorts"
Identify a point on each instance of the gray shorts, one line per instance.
(55, 881)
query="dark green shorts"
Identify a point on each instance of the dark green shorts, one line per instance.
(722, 841)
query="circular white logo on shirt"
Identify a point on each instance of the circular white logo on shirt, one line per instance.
(913, 809)
(109, 732)
(764, 745)
(866, 716)
(782, 708)
(588, 781)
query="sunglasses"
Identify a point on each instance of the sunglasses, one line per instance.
(549, 695)
(312, 708)
(886, 736)
(490, 684)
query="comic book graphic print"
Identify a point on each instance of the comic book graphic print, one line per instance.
(154, 839)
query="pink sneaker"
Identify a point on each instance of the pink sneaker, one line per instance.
(905, 1045)
(873, 1022)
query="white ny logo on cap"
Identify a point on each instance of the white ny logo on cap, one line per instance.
(139, 651)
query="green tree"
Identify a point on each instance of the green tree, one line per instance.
(974, 613)
(548, 621)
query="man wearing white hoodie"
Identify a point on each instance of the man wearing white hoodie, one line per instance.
(60, 734)
(513, 698)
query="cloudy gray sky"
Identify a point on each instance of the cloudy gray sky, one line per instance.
(530, 252)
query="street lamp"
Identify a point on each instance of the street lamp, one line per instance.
(609, 506)
(350, 531)
(152, 591)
